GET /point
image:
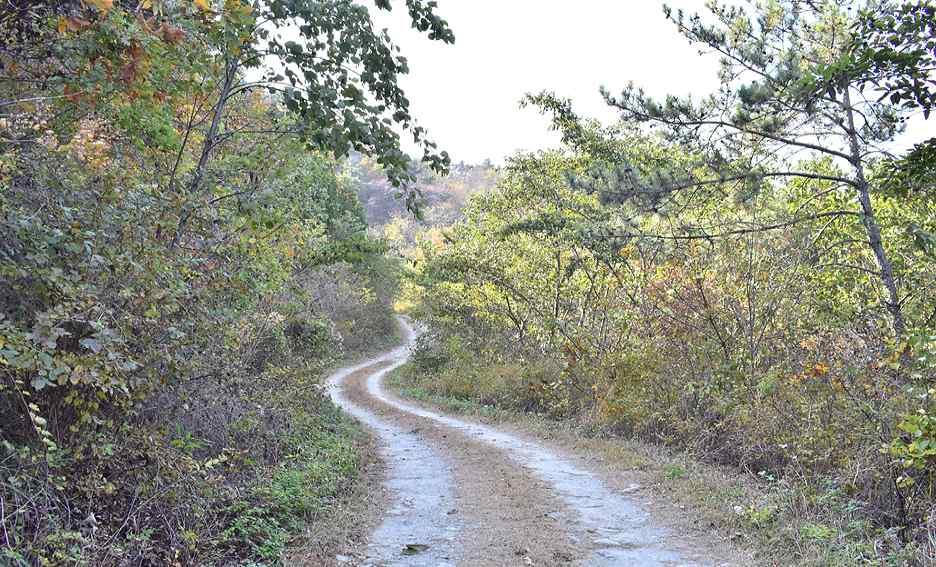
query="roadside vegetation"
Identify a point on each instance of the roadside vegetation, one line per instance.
(204, 207)
(181, 262)
(747, 278)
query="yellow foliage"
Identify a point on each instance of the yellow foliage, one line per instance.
(104, 6)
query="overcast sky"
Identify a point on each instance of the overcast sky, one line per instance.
(467, 94)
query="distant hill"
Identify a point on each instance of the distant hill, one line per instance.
(443, 197)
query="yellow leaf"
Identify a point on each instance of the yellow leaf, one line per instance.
(146, 4)
(102, 5)
(203, 5)
(62, 24)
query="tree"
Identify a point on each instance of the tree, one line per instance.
(895, 53)
(340, 78)
(787, 97)
(323, 61)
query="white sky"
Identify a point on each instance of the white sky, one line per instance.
(467, 94)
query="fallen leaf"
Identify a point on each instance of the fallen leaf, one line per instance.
(414, 548)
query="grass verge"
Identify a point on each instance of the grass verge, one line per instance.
(768, 521)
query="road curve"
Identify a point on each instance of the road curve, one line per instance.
(418, 479)
(605, 528)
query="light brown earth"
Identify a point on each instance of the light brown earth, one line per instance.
(510, 517)
(508, 511)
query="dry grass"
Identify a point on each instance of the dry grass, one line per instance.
(769, 521)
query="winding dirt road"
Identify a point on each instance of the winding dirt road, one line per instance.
(464, 493)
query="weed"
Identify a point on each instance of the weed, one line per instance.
(817, 532)
(674, 472)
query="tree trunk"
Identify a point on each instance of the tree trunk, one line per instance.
(871, 225)
(230, 73)
(552, 333)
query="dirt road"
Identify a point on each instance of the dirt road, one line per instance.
(464, 493)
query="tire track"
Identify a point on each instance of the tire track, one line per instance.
(419, 481)
(584, 521)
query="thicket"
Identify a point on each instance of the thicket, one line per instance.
(180, 261)
(749, 276)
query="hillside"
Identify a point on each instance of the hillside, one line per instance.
(442, 197)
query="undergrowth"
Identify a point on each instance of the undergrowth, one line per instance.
(225, 470)
(788, 521)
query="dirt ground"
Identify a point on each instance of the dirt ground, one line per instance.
(509, 516)
(507, 513)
